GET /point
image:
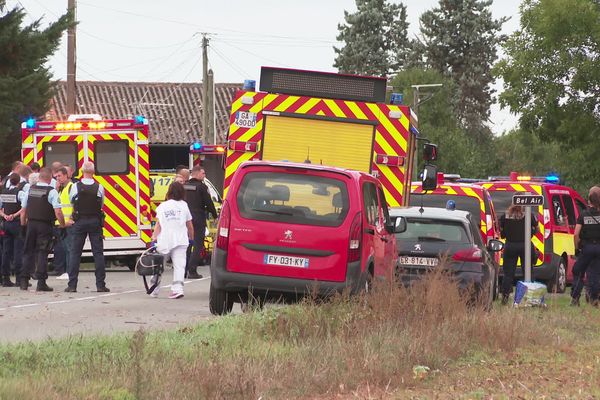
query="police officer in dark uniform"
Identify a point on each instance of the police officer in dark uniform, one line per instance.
(512, 228)
(200, 204)
(41, 208)
(87, 197)
(10, 212)
(587, 243)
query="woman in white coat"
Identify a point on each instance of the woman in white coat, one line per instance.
(173, 233)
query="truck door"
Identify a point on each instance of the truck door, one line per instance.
(114, 156)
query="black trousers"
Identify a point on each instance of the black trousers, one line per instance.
(81, 229)
(37, 246)
(12, 251)
(513, 251)
(195, 257)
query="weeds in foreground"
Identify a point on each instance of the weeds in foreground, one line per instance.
(311, 349)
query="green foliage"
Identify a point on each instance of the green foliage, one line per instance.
(551, 76)
(25, 83)
(459, 152)
(374, 37)
(459, 40)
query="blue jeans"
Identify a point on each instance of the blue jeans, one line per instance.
(588, 262)
(12, 251)
(81, 229)
(59, 260)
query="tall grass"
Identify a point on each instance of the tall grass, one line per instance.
(311, 349)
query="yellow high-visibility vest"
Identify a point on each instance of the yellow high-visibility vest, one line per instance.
(65, 202)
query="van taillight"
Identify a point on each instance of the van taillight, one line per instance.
(355, 238)
(223, 231)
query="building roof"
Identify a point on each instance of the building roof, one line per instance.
(173, 110)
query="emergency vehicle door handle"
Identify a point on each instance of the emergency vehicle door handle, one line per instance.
(370, 231)
(116, 185)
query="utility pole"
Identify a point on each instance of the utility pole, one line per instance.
(211, 132)
(416, 103)
(206, 91)
(71, 60)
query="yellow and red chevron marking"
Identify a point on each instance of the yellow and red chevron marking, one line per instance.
(120, 197)
(143, 165)
(390, 133)
(39, 148)
(27, 156)
(464, 190)
(538, 238)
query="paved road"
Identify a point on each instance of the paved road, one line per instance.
(36, 316)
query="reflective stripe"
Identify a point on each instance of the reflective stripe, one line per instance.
(65, 202)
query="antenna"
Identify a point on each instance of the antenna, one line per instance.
(307, 161)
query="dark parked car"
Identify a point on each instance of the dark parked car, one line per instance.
(430, 234)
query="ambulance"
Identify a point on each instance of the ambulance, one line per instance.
(119, 151)
(325, 119)
(553, 241)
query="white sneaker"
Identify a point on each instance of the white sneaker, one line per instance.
(63, 277)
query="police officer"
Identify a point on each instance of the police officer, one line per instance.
(587, 243)
(41, 209)
(10, 211)
(200, 204)
(62, 246)
(512, 228)
(87, 197)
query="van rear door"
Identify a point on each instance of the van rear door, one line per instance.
(290, 222)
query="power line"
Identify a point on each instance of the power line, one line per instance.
(179, 22)
(252, 54)
(230, 63)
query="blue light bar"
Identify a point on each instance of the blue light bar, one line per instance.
(30, 123)
(396, 98)
(552, 178)
(249, 85)
(197, 146)
(139, 119)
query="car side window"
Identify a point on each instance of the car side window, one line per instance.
(384, 207)
(370, 202)
(557, 208)
(569, 209)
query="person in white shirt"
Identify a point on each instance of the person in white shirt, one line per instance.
(173, 233)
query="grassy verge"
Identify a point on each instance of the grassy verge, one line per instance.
(345, 348)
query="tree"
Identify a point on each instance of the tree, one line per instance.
(459, 40)
(551, 76)
(25, 83)
(374, 37)
(459, 152)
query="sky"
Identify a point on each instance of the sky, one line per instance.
(160, 41)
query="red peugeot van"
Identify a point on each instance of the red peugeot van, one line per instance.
(288, 229)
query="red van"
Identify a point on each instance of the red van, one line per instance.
(287, 229)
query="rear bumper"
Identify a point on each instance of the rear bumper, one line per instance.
(466, 280)
(275, 286)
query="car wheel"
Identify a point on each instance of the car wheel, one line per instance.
(558, 284)
(219, 301)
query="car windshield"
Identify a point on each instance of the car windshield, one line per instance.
(293, 198)
(465, 203)
(434, 230)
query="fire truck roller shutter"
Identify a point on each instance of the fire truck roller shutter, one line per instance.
(334, 143)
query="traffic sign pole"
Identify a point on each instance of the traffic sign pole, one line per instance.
(527, 266)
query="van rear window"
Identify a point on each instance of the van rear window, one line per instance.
(293, 198)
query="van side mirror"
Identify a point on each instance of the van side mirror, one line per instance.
(429, 152)
(398, 225)
(429, 181)
(495, 245)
